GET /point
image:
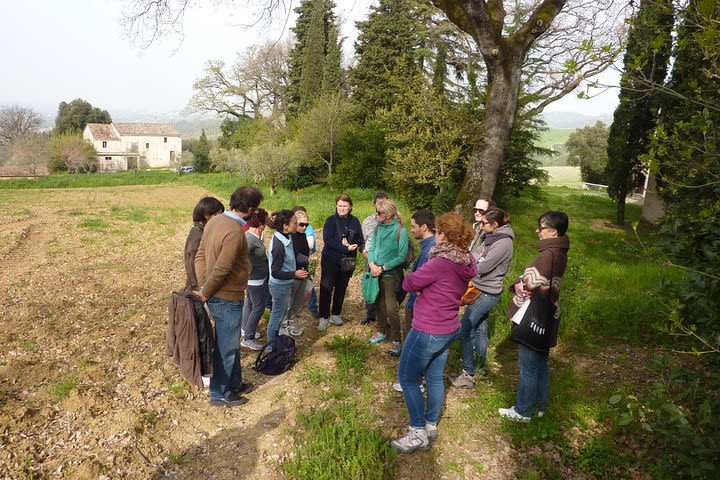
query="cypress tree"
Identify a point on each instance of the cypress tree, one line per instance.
(440, 70)
(646, 59)
(332, 69)
(313, 57)
(387, 46)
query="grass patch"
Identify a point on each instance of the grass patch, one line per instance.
(28, 345)
(177, 389)
(94, 224)
(351, 354)
(338, 444)
(61, 389)
(180, 458)
(115, 179)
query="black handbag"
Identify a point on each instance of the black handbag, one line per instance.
(537, 327)
(348, 264)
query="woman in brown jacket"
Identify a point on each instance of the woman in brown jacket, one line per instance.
(206, 208)
(542, 277)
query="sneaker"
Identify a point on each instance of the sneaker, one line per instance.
(323, 324)
(251, 344)
(242, 334)
(398, 388)
(511, 414)
(377, 338)
(414, 439)
(432, 431)
(336, 320)
(464, 380)
(245, 387)
(395, 349)
(295, 331)
(231, 400)
(284, 331)
(540, 413)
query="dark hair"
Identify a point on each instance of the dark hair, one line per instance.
(455, 229)
(299, 208)
(424, 217)
(557, 220)
(379, 195)
(245, 198)
(258, 218)
(279, 219)
(345, 198)
(207, 206)
(497, 215)
(491, 203)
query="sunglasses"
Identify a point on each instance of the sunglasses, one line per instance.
(539, 228)
(301, 224)
(479, 210)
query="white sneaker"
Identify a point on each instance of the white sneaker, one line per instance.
(398, 388)
(323, 324)
(414, 439)
(257, 334)
(252, 345)
(336, 320)
(294, 331)
(284, 331)
(540, 413)
(511, 414)
(432, 431)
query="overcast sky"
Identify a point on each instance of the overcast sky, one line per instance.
(59, 50)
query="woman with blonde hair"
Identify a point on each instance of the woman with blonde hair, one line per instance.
(387, 253)
(440, 283)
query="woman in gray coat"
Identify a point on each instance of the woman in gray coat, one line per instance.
(493, 257)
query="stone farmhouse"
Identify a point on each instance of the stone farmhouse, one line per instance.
(123, 146)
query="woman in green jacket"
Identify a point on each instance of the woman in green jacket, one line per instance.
(387, 253)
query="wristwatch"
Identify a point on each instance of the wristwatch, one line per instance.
(382, 268)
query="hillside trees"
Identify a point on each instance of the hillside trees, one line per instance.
(253, 87)
(30, 154)
(73, 116)
(17, 122)
(70, 153)
(587, 148)
(315, 63)
(646, 64)
(201, 154)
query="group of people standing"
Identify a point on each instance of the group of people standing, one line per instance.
(456, 263)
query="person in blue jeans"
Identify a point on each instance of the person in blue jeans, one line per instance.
(283, 269)
(312, 304)
(222, 269)
(542, 277)
(440, 284)
(493, 255)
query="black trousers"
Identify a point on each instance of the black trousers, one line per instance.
(333, 285)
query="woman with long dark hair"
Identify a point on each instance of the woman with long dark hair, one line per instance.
(283, 269)
(205, 209)
(257, 293)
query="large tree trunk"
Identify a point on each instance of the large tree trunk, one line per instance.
(489, 151)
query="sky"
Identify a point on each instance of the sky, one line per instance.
(55, 51)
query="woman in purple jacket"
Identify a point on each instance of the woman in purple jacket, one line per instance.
(440, 283)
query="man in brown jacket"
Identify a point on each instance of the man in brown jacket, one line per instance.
(222, 268)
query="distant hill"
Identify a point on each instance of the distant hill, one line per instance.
(573, 120)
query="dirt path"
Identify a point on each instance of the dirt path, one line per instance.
(86, 390)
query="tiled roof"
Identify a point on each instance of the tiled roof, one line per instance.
(103, 131)
(147, 129)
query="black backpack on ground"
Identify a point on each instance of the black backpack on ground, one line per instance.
(279, 359)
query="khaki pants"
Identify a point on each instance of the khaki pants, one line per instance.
(388, 319)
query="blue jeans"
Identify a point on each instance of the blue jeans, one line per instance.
(425, 355)
(227, 375)
(532, 391)
(255, 300)
(474, 330)
(280, 300)
(313, 302)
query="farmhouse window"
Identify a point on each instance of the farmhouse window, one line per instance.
(165, 140)
(108, 158)
(147, 145)
(104, 144)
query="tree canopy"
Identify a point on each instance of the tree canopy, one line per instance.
(73, 116)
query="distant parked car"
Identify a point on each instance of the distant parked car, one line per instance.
(187, 169)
